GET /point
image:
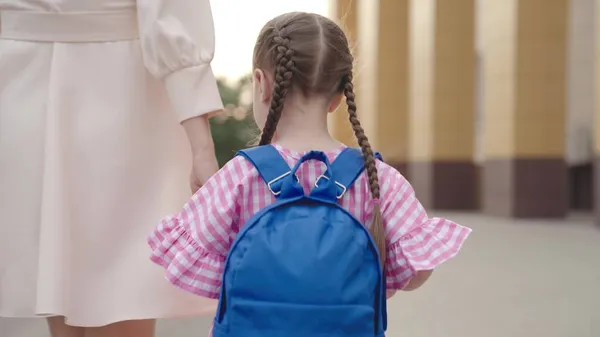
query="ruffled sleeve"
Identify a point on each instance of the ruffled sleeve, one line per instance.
(192, 244)
(415, 241)
(178, 44)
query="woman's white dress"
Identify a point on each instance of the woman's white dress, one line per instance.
(92, 154)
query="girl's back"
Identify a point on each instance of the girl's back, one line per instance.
(303, 69)
(211, 220)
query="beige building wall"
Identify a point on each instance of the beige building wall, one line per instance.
(454, 87)
(498, 46)
(442, 76)
(379, 33)
(524, 46)
(345, 13)
(422, 58)
(541, 78)
(535, 100)
(382, 85)
(597, 115)
(580, 82)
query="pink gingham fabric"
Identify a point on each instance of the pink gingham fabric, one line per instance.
(192, 244)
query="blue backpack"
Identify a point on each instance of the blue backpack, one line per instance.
(303, 266)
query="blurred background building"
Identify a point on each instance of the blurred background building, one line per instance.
(485, 105)
(489, 108)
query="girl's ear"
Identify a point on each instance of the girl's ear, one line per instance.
(335, 102)
(263, 83)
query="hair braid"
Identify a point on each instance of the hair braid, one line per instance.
(376, 229)
(284, 70)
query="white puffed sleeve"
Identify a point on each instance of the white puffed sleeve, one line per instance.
(178, 44)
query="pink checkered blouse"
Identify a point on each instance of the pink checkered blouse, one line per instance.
(192, 244)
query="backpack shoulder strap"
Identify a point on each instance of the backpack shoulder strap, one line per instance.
(268, 162)
(348, 166)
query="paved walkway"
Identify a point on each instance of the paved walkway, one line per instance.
(513, 279)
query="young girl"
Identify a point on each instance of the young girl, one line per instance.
(302, 70)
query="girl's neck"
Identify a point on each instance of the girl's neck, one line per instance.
(303, 127)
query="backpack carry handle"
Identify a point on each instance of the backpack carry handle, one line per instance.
(325, 187)
(313, 155)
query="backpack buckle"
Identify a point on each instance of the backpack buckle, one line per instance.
(340, 195)
(270, 183)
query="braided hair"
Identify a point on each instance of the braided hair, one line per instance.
(377, 230)
(284, 70)
(310, 55)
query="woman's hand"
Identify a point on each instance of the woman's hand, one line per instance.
(203, 151)
(203, 167)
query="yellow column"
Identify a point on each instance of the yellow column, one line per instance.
(344, 11)
(382, 69)
(525, 174)
(442, 103)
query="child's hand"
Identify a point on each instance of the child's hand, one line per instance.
(204, 166)
(418, 280)
(203, 150)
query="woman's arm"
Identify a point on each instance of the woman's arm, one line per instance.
(178, 44)
(203, 150)
(198, 133)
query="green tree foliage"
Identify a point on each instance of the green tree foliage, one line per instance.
(231, 134)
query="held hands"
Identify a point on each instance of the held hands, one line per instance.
(203, 167)
(203, 151)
